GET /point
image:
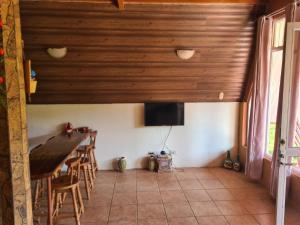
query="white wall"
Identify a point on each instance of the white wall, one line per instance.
(210, 129)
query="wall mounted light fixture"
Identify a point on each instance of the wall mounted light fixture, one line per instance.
(57, 53)
(221, 96)
(185, 54)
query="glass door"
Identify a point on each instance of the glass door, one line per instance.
(289, 143)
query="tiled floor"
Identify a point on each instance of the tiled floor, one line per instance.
(194, 196)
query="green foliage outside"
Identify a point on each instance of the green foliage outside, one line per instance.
(272, 130)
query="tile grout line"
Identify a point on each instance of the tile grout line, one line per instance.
(189, 203)
(108, 219)
(162, 202)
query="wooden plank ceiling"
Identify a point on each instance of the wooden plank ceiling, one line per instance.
(122, 56)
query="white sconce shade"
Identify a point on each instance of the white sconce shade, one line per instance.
(185, 54)
(221, 96)
(57, 53)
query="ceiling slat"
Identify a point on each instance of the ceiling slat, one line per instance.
(118, 56)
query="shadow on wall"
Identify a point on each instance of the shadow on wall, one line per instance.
(217, 162)
(139, 116)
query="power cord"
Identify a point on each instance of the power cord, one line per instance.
(165, 146)
(166, 139)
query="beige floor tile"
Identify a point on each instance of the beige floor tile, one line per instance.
(265, 219)
(220, 194)
(145, 185)
(125, 187)
(205, 174)
(166, 177)
(197, 195)
(173, 196)
(183, 221)
(98, 192)
(250, 193)
(234, 182)
(207, 208)
(97, 202)
(104, 187)
(241, 220)
(211, 184)
(259, 206)
(169, 185)
(123, 212)
(126, 198)
(153, 221)
(190, 184)
(95, 214)
(146, 178)
(126, 179)
(127, 173)
(230, 208)
(99, 199)
(151, 211)
(212, 220)
(121, 222)
(106, 180)
(149, 197)
(69, 220)
(185, 175)
(174, 210)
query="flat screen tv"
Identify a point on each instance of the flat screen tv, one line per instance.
(164, 114)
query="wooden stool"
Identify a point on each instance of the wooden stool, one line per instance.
(69, 183)
(94, 164)
(85, 154)
(93, 143)
(93, 135)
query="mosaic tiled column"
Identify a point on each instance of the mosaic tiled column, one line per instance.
(14, 163)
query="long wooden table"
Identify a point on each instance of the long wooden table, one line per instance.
(48, 159)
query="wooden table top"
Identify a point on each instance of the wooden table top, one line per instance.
(47, 158)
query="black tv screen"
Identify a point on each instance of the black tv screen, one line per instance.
(164, 114)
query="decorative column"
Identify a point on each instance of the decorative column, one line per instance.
(14, 161)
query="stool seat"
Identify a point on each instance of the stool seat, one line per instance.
(68, 182)
(83, 161)
(64, 182)
(86, 167)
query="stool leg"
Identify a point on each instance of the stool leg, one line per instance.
(36, 193)
(92, 170)
(94, 160)
(75, 206)
(80, 200)
(56, 204)
(90, 178)
(86, 183)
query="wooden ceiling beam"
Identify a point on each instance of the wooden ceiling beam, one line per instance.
(121, 3)
(198, 1)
